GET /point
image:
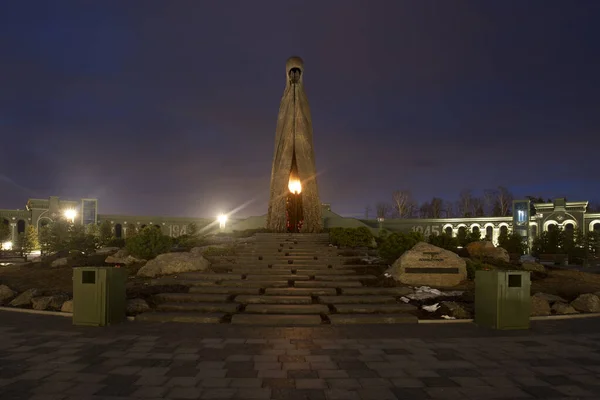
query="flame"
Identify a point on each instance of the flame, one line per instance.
(294, 185)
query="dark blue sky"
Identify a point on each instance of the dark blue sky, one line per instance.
(169, 107)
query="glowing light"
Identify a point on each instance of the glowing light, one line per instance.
(70, 214)
(294, 185)
(7, 246)
(222, 218)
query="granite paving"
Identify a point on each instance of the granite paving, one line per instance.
(47, 358)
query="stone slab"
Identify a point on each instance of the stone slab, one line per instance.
(344, 277)
(286, 309)
(357, 299)
(273, 299)
(323, 271)
(294, 291)
(278, 277)
(382, 291)
(210, 318)
(206, 276)
(224, 290)
(184, 282)
(351, 319)
(333, 284)
(246, 283)
(275, 320)
(374, 308)
(199, 307)
(191, 297)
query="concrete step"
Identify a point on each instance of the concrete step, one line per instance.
(263, 271)
(207, 276)
(276, 320)
(254, 284)
(374, 308)
(347, 319)
(277, 277)
(224, 290)
(330, 284)
(176, 281)
(344, 277)
(200, 318)
(286, 309)
(199, 307)
(356, 299)
(294, 291)
(191, 297)
(323, 271)
(273, 299)
(382, 291)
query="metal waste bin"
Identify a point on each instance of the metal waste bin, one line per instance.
(502, 299)
(99, 296)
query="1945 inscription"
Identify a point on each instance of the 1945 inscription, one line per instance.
(431, 255)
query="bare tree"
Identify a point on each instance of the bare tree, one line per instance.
(437, 206)
(403, 203)
(425, 210)
(383, 210)
(505, 199)
(449, 209)
(367, 211)
(489, 198)
(464, 203)
(477, 204)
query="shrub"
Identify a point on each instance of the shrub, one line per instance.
(116, 242)
(444, 241)
(396, 244)
(214, 251)
(474, 265)
(513, 243)
(351, 237)
(148, 243)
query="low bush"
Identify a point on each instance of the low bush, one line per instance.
(395, 244)
(214, 251)
(116, 242)
(444, 241)
(351, 237)
(475, 265)
(148, 243)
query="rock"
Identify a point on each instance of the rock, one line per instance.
(24, 299)
(67, 306)
(108, 250)
(533, 267)
(587, 303)
(455, 310)
(54, 302)
(550, 298)
(6, 294)
(173, 263)
(60, 262)
(123, 257)
(539, 306)
(137, 306)
(426, 264)
(485, 248)
(561, 308)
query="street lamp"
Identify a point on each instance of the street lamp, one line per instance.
(70, 214)
(222, 218)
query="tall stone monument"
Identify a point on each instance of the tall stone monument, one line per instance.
(294, 205)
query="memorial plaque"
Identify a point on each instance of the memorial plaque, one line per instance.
(428, 265)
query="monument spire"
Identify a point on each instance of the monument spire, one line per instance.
(294, 205)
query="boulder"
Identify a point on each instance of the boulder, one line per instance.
(123, 257)
(550, 298)
(539, 306)
(426, 264)
(173, 263)
(60, 262)
(527, 258)
(587, 303)
(455, 310)
(24, 299)
(6, 294)
(201, 249)
(561, 308)
(486, 249)
(533, 267)
(107, 250)
(67, 306)
(137, 306)
(54, 302)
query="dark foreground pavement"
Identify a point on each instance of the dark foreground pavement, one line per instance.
(45, 357)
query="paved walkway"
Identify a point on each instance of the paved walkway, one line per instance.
(47, 358)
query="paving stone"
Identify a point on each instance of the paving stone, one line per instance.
(274, 320)
(199, 307)
(341, 394)
(200, 318)
(225, 290)
(295, 291)
(191, 297)
(374, 308)
(326, 277)
(273, 299)
(377, 291)
(344, 319)
(184, 393)
(286, 309)
(218, 393)
(329, 284)
(278, 277)
(253, 284)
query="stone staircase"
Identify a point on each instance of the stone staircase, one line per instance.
(281, 279)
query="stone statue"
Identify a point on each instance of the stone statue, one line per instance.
(294, 205)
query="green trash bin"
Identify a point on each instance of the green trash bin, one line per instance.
(99, 296)
(502, 299)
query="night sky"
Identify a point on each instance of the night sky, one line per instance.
(169, 107)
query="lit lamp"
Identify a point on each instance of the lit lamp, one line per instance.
(294, 202)
(70, 215)
(222, 218)
(6, 246)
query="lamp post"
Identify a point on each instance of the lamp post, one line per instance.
(70, 215)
